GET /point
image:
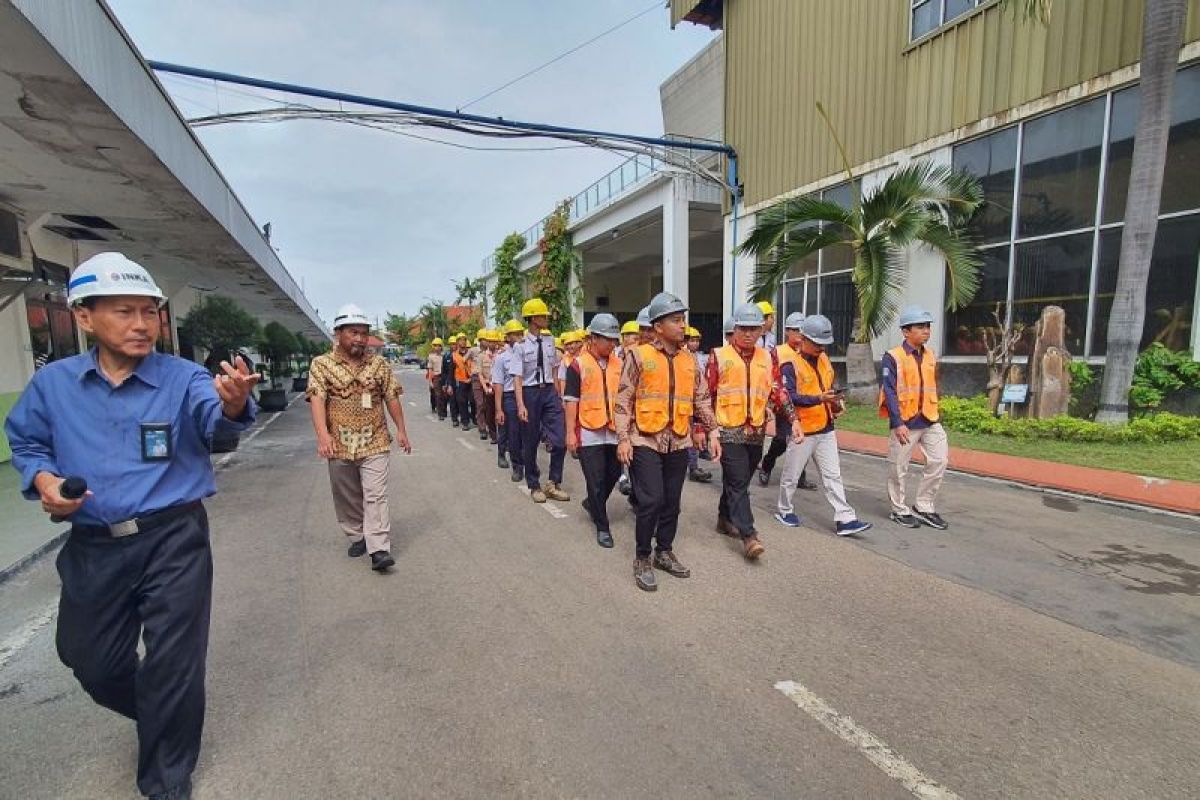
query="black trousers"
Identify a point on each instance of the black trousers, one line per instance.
(600, 471)
(462, 395)
(447, 402)
(433, 400)
(508, 437)
(156, 584)
(659, 478)
(737, 467)
(778, 447)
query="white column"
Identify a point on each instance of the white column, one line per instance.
(675, 239)
(738, 270)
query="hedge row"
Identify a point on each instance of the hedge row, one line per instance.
(971, 415)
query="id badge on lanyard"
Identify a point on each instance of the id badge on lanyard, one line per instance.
(156, 441)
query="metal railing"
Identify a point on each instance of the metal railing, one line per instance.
(630, 173)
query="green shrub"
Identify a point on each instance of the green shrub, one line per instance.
(1159, 372)
(971, 415)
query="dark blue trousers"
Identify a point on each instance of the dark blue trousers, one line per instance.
(546, 418)
(508, 436)
(156, 584)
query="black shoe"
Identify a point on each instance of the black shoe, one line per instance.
(181, 792)
(667, 562)
(502, 461)
(466, 426)
(604, 539)
(764, 477)
(357, 549)
(699, 475)
(930, 518)
(518, 474)
(453, 423)
(806, 484)
(907, 520)
(493, 439)
(705, 455)
(381, 560)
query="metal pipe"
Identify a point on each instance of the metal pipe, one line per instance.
(328, 94)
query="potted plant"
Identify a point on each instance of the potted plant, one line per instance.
(277, 345)
(222, 327)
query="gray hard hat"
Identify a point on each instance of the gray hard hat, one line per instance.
(665, 304)
(643, 318)
(605, 325)
(817, 329)
(728, 325)
(913, 315)
(793, 321)
(748, 315)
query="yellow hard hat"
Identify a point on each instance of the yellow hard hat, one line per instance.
(571, 337)
(534, 308)
(692, 333)
(558, 342)
(436, 340)
(459, 335)
(489, 335)
(630, 327)
(765, 307)
(513, 326)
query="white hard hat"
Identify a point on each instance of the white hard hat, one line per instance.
(350, 314)
(111, 275)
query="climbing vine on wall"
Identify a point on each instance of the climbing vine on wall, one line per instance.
(558, 279)
(510, 290)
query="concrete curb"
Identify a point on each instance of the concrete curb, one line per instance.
(17, 567)
(1122, 487)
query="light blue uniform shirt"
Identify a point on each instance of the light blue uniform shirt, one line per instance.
(502, 369)
(526, 354)
(70, 421)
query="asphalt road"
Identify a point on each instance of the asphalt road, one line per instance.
(1043, 647)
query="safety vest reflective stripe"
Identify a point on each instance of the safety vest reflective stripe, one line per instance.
(742, 393)
(916, 385)
(812, 381)
(597, 391)
(666, 391)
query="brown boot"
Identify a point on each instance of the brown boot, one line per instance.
(752, 548)
(667, 562)
(725, 527)
(555, 492)
(643, 575)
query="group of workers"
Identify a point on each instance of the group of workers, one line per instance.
(640, 404)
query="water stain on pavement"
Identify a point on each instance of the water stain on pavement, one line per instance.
(10, 690)
(1059, 503)
(1184, 578)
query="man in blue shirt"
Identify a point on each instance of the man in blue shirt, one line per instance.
(539, 407)
(136, 426)
(508, 425)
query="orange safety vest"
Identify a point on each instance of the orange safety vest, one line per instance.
(597, 391)
(810, 380)
(742, 393)
(460, 367)
(666, 392)
(786, 355)
(916, 387)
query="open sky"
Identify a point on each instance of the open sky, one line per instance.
(383, 220)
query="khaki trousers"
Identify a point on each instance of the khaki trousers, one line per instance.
(936, 447)
(822, 448)
(360, 499)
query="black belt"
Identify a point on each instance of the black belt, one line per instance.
(145, 522)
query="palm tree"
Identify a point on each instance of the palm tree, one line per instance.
(919, 204)
(469, 291)
(435, 321)
(1162, 32)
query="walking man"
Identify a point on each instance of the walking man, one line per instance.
(659, 392)
(508, 424)
(348, 389)
(785, 353)
(539, 406)
(135, 426)
(448, 383)
(692, 342)
(908, 400)
(433, 375)
(809, 381)
(744, 381)
(590, 395)
(462, 382)
(481, 385)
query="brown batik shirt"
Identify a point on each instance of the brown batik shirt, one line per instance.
(355, 397)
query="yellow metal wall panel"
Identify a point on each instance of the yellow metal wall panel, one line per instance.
(884, 94)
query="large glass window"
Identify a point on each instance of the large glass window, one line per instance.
(1181, 178)
(1054, 272)
(837, 302)
(926, 15)
(994, 160)
(1170, 289)
(1060, 170)
(965, 327)
(1058, 240)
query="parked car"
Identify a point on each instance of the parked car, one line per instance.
(411, 357)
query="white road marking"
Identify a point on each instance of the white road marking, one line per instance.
(549, 506)
(431, 417)
(875, 750)
(22, 636)
(223, 460)
(411, 403)
(465, 444)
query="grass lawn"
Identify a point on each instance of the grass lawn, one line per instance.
(1178, 460)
